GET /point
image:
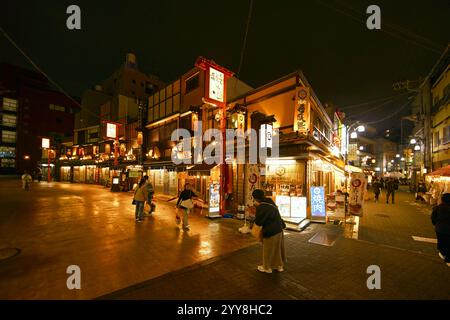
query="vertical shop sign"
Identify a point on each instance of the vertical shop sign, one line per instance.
(302, 110)
(214, 197)
(358, 185)
(318, 202)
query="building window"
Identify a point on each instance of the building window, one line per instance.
(9, 104)
(7, 152)
(8, 136)
(8, 163)
(9, 120)
(436, 139)
(57, 108)
(192, 83)
(446, 137)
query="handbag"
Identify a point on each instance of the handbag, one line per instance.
(257, 232)
(188, 204)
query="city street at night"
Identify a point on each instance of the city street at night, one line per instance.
(55, 227)
(243, 158)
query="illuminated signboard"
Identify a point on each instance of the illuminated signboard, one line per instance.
(214, 197)
(45, 143)
(317, 202)
(302, 110)
(216, 85)
(111, 130)
(298, 207)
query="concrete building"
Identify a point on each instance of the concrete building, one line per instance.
(29, 110)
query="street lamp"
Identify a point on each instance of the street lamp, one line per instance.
(413, 141)
(353, 135)
(361, 128)
(417, 147)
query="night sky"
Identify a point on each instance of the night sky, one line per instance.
(344, 61)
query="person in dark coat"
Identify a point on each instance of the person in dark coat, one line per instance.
(268, 217)
(376, 186)
(391, 186)
(440, 217)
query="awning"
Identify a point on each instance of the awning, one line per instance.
(444, 172)
(202, 169)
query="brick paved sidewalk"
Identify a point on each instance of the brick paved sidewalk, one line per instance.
(313, 272)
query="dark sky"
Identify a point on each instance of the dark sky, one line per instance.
(344, 61)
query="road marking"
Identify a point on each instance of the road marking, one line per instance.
(421, 239)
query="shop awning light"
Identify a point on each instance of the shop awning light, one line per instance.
(413, 141)
(353, 135)
(361, 128)
(417, 147)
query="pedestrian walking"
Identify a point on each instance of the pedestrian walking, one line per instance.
(26, 181)
(150, 192)
(269, 228)
(140, 196)
(376, 186)
(440, 217)
(185, 202)
(391, 186)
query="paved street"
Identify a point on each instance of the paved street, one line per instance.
(409, 269)
(57, 225)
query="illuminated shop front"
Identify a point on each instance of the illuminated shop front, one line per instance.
(65, 173)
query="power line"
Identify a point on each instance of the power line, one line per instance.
(43, 73)
(400, 29)
(372, 109)
(352, 106)
(241, 61)
(389, 116)
(401, 37)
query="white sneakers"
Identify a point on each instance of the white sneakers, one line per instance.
(262, 269)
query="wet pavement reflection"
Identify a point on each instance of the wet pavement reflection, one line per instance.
(60, 224)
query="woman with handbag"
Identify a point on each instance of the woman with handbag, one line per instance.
(185, 202)
(140, 196)
(268, 229)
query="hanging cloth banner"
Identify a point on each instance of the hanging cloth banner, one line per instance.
(358, 186)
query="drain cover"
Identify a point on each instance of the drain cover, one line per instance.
(7, 253)
(324, 239)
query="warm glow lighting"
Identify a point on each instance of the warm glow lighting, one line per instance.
(413, 141)
(417, 148)
(361, 148)
(353, 135)
(280, 161)
(397, 156)
(26, 157)
(361, 129)
(403, 159)
(377, 169)
(373, 161)
(392, 161)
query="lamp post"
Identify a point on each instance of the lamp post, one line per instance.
(353, 135)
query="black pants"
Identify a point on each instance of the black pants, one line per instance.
(443, 245)
(391, 193)
(377, 195)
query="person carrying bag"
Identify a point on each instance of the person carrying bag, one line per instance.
(185, 202)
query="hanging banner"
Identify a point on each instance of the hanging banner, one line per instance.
(317, 200)
(302, 110)
(358, 186)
